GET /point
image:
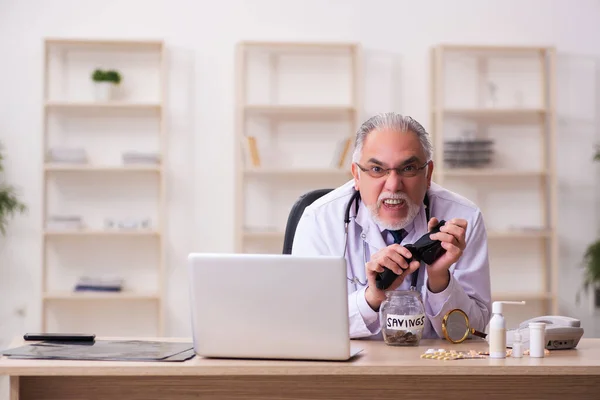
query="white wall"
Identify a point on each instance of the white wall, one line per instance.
(201, 35)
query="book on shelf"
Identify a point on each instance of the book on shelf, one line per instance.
(250, 149)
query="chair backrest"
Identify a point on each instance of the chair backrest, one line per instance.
(296, 213)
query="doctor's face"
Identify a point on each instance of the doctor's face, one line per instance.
(393, 196)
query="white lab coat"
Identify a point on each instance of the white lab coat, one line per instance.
(320, 231)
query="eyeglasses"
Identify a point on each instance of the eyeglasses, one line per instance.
(406, 171)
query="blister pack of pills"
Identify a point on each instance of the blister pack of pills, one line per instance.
(442, 354)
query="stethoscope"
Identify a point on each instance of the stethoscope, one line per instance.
(355, 199)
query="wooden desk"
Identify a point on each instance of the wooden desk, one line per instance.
(380, 372)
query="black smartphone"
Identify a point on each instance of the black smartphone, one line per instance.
(61, 337)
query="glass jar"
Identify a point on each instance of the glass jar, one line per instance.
(402, 316)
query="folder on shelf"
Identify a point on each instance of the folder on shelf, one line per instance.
(105, 350)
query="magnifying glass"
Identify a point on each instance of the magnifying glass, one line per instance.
(456, 328)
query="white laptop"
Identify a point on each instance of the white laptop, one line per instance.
(269, 306)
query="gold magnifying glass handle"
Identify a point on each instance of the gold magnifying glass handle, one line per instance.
(477, 333)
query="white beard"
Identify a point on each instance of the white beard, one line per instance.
(413, 210)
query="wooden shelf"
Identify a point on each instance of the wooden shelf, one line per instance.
(299, 47)
(516, 296)
(519, 234)
(536, 122)
(269, 101)
(485, 112)
(100, 232)
(144, 103)
(90, 295)
(491, 49)
(497, 115)
(105, 43)
(268, 235)
(53, 167)
(296, 172)
(489, 172)
(67, 105)
(299, 110)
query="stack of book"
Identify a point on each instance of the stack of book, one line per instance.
(64, 222)
(136, 157)
(92, 284)
(468, 153)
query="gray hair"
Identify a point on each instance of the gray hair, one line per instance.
(392, 121)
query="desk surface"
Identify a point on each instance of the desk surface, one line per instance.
(376, 359)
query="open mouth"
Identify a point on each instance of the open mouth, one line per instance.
(394, 204)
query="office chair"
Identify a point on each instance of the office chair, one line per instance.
(296, 213)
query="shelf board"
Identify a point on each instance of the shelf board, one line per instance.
(519, 234)
(499, 115)
(492, 48)
(298, 109)
(90, 295)
(490, 172)
(100, 232)
(507, 234)
(92, 105)
(296, 172)
(57, 167)
(328, 46)
(105, 43)
(268, 235)
(517, 296)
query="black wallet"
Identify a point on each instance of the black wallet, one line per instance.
(424, 249)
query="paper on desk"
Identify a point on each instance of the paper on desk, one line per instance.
(105, 350)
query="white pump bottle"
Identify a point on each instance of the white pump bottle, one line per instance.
(497, 331)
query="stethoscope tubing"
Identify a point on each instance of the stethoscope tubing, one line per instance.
(355, 199)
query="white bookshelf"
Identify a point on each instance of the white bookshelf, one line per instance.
(505, 94)
(104, 187)
(300, 101)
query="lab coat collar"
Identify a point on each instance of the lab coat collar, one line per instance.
(370, 230)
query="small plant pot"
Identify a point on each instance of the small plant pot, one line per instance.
(104, 91)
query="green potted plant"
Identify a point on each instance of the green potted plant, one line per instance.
(591, 263)
(9, 202)
(105, 81)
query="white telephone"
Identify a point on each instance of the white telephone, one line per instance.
(561, 332)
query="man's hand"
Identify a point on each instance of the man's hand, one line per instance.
(392, 257)
(452, 235)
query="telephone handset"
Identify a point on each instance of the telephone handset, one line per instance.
(561, 332)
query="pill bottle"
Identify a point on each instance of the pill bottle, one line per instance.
(402, 318)
(517, 347)
(537, 339)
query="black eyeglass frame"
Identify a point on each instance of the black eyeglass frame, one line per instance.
(399, 170)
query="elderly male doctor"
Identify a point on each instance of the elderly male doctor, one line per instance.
(392, 169)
